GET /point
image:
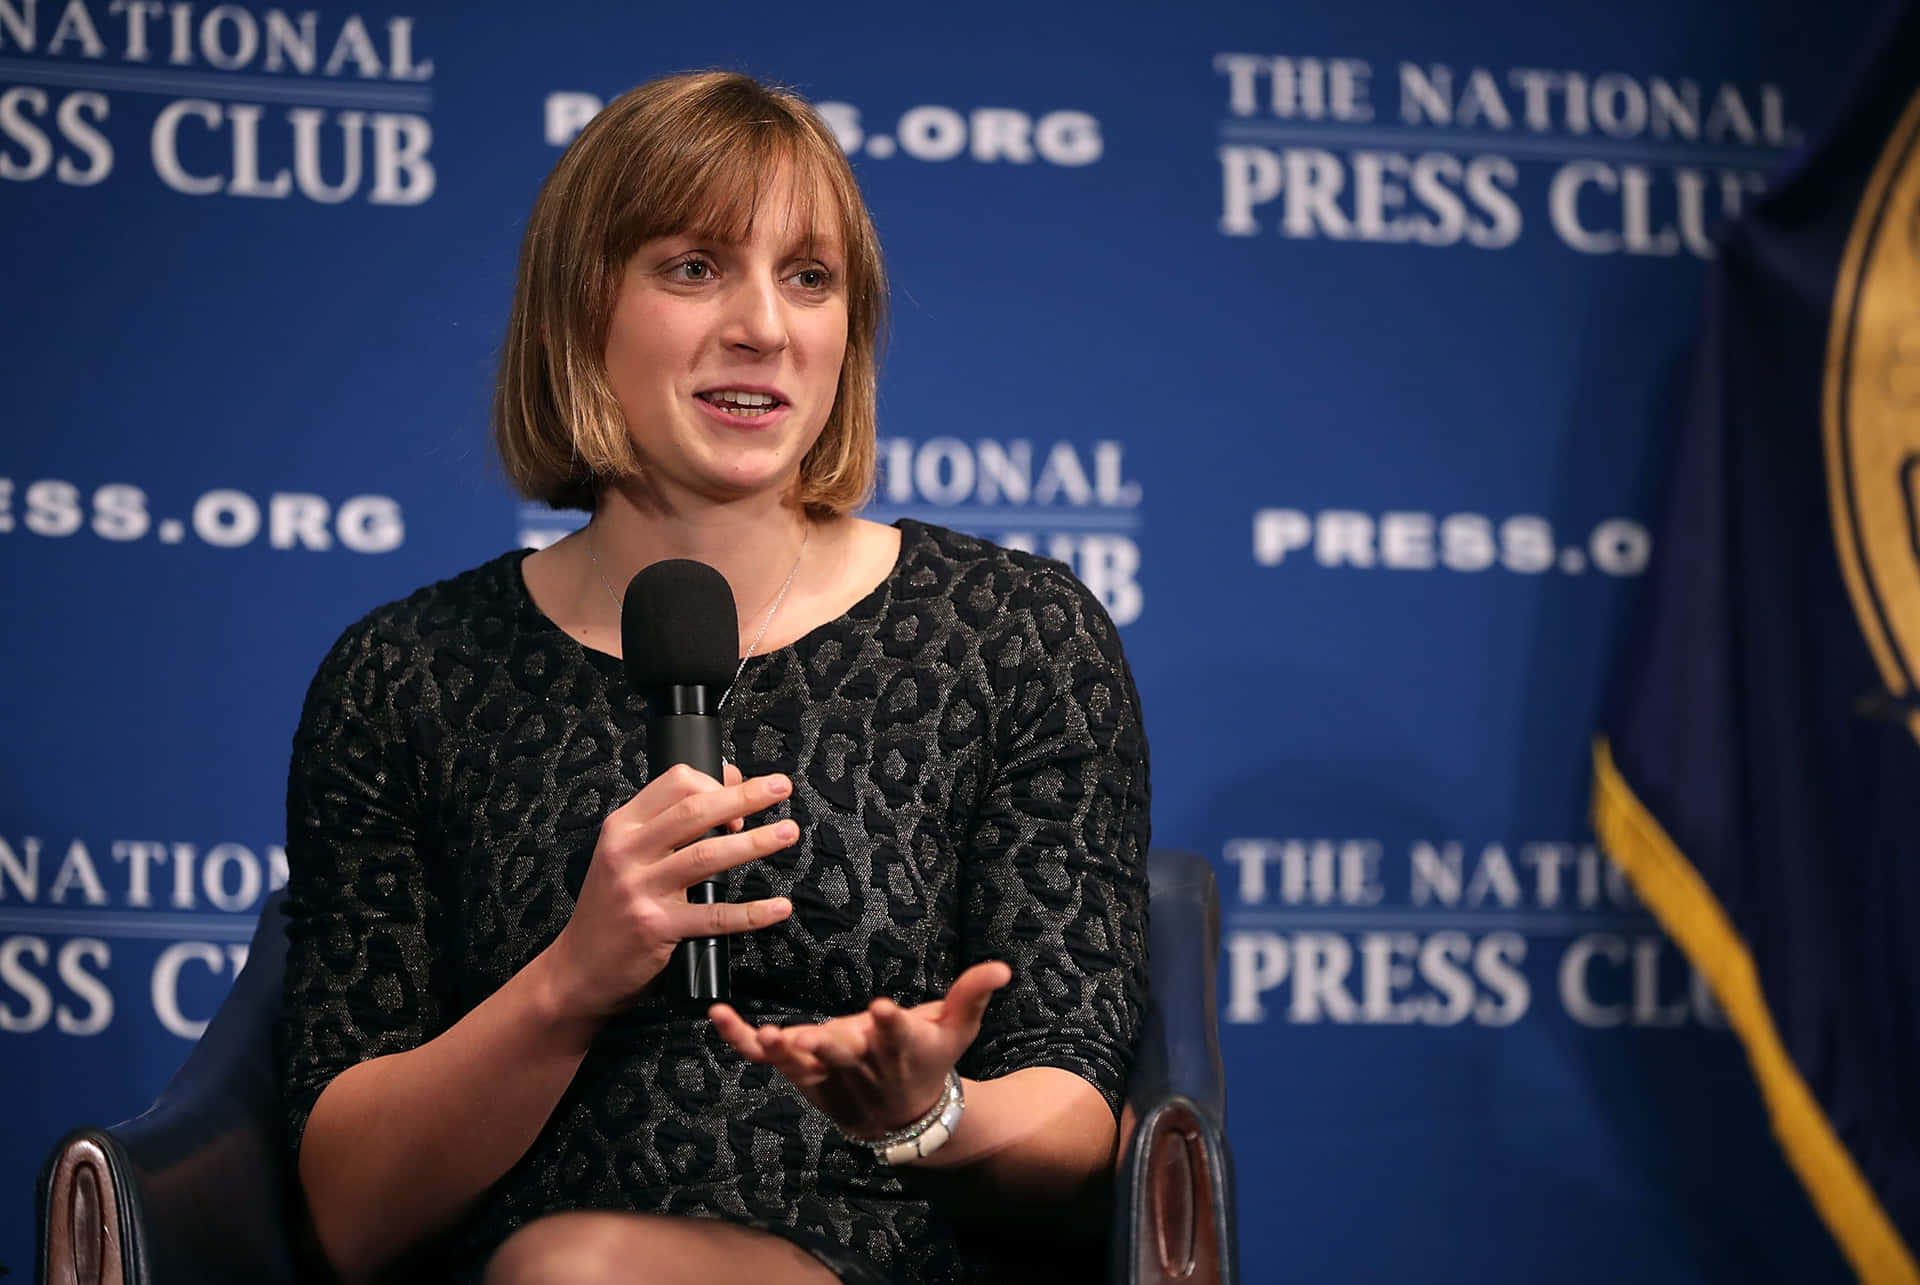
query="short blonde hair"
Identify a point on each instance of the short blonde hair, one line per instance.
(683, 154)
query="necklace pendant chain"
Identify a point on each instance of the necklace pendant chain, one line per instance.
(806, 532)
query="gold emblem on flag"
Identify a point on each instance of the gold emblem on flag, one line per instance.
(1872, 413)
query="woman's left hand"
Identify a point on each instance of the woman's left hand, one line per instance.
(877, 1070)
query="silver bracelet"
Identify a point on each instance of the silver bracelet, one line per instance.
(924, 1136)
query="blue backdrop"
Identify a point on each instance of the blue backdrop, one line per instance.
(1335, 347)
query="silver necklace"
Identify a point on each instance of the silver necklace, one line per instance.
(806, 531)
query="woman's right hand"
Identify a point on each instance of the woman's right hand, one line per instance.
(633, 908)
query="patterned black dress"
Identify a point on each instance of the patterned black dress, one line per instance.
(970, 782)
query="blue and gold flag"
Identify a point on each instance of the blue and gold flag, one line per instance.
(1760, 774)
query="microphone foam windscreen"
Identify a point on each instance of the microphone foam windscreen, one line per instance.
(679, 627)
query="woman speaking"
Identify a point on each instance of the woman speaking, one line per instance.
(931, 852)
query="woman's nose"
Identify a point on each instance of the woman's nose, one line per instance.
(755, 319)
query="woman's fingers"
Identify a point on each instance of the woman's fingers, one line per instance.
(722, 918)
(771, 1046)
(894, 1029)
(785, 1054)
(867, 1063)
(889, 1020)
(968, 997)
(709, 857)
(628, 915)
(683, 803)
(842, 1044)
(730, 775)
(695, 803)
(840, 1038)
(735, 1030)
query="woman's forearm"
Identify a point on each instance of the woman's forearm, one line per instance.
(1037, 1138)
(397, 1147)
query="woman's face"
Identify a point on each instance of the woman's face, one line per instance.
(725, 356)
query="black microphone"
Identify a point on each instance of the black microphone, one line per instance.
(679, 632)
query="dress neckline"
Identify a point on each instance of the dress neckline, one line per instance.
(869, 603)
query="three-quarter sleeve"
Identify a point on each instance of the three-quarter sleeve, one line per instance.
(358, 904)
(1053, 873)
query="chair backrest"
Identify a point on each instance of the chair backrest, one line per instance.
(1180, 1051)
(216, 1126)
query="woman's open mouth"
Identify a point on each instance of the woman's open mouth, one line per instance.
(741, 405)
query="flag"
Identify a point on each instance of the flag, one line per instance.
(1758, 775)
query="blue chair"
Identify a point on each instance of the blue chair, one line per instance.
(196, 1191)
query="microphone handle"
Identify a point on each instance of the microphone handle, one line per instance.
(688, 734)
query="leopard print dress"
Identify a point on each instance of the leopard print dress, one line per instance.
(970, 782)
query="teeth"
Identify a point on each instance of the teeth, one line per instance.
(738, 398)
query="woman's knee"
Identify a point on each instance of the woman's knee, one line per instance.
(567, 1249)
(648, 1249)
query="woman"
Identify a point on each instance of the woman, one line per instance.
(933, 847)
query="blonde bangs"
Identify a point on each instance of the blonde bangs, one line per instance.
(712, 187)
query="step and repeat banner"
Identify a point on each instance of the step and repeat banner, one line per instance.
(1335, 347)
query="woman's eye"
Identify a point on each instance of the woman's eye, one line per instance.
(694, 270)
(812, 278)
